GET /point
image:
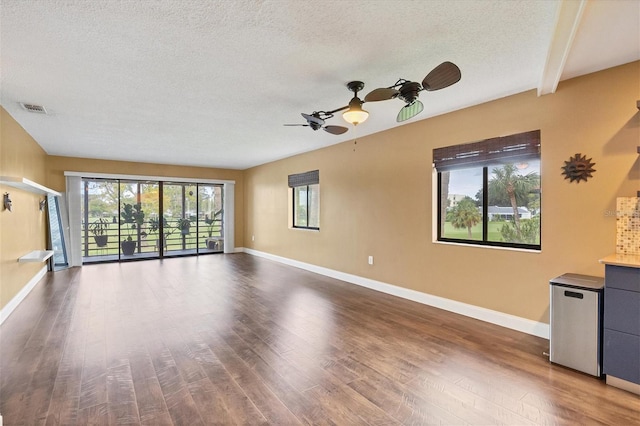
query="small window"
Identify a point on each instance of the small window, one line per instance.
(489, 192)
(306, 199)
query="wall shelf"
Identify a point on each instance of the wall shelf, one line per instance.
(27, 185)
(36, 256)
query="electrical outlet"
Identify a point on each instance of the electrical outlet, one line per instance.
(253, 238)
(370, 260)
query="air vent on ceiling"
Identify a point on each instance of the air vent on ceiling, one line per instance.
(39, 109)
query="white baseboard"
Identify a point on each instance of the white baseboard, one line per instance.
(13, 303)
(494, 317)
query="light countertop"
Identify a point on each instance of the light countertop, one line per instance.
(629, 260)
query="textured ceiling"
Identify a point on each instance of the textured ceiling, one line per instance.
(211, 83)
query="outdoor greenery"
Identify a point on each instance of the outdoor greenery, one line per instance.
(465, 215)
(507, 181)
(476, 231)
(529, 231)
(506, 188)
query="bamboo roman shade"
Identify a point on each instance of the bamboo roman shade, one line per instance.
(303, 179)
(505, 149)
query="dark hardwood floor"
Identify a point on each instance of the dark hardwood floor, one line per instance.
(236, 339)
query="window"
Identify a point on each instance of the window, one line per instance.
(489, 191)
(306, 199)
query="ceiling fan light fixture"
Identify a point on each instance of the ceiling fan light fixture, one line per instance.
(355, 117)
(355, 114)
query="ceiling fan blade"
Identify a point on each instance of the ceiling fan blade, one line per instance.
(303, 125)
(335, 130)
(313, 119)
(444, 75)
(382, 94)
(410, 111)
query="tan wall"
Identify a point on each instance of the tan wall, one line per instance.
(56, 166)
(376, 197)
(24, 228)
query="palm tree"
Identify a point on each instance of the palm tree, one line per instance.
(507, 180)
(465, 215)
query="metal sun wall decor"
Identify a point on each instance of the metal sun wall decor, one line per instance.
(578, 168)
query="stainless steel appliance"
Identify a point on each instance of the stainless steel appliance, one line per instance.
(576, 322)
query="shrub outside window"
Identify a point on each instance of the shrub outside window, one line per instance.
(489, 192)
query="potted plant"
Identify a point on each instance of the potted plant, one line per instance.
(99, 231)
(213, 242)
(154, 226)
(132, 215)
(210, 221)
(184, 225)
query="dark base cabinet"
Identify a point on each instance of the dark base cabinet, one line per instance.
(621, 349)
(622, 355)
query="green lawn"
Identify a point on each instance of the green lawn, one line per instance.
(476, 232)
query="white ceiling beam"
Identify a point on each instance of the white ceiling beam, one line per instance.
(568, 19)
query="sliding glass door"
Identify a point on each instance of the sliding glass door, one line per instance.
(133, 219)
(180, 218)
(100, 220)
(210, 229)
(139, 201)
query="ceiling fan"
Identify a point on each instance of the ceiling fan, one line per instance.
(444, 75)
(354, 113)
(316, 121)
